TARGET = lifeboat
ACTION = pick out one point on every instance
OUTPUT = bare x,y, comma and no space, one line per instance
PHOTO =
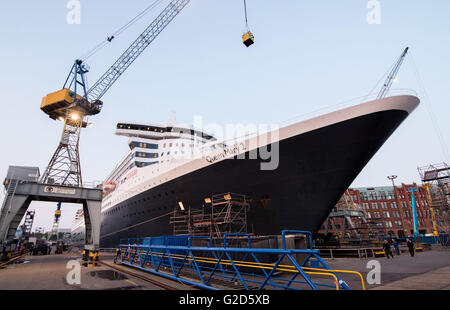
109,187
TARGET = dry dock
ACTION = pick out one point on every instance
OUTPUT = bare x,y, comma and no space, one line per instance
50,272
429,270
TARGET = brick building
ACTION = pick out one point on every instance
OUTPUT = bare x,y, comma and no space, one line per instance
387,211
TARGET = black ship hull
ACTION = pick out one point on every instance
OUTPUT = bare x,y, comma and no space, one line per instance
315,168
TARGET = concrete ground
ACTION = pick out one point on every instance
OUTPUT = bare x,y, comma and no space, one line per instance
50,272
429,270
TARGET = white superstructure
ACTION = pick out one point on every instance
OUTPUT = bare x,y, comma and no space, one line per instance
156,148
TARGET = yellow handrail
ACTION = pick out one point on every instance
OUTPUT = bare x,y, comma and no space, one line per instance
286,268
340,271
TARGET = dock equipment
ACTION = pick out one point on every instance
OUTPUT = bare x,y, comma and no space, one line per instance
74,102
392,76
23,186
28,223
54,231
209,267
221,214
412,190
247,38
436,178
351,219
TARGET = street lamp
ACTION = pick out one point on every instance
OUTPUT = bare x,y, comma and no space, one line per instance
392,178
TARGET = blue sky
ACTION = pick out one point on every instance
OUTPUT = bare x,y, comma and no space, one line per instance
308,55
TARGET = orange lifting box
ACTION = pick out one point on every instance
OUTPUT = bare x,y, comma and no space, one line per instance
248,38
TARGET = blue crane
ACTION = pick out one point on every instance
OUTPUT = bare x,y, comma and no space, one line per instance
75,101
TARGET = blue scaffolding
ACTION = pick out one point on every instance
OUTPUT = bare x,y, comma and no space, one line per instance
246,268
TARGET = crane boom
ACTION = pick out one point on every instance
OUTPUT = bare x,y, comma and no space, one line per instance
136,48
392,75
72,106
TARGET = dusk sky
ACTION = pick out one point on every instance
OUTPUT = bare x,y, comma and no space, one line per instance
308,55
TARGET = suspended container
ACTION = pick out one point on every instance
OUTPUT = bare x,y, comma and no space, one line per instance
247,38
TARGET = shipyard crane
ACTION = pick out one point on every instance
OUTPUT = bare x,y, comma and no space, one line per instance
392,75
74,102
55,227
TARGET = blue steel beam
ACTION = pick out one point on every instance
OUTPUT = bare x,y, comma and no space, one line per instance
412,190
206,267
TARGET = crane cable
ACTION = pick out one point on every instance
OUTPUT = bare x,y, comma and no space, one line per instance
102,44
431,113
246,18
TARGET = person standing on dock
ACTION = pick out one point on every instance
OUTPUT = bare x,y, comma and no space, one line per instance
396,247
410,247
387,249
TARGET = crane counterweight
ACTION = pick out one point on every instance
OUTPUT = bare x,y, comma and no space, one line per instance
64,103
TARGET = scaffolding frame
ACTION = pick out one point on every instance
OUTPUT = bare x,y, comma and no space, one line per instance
28,223
347,211
436,178
221,214
64,167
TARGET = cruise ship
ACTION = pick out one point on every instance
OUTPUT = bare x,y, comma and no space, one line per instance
170,167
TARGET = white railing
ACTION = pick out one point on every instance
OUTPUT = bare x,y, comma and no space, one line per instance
346,104
312,114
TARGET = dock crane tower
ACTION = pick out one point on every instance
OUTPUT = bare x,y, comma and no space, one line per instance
74,102
55,227
392,75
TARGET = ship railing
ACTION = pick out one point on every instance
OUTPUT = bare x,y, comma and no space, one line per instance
347,104
230,141
248,268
